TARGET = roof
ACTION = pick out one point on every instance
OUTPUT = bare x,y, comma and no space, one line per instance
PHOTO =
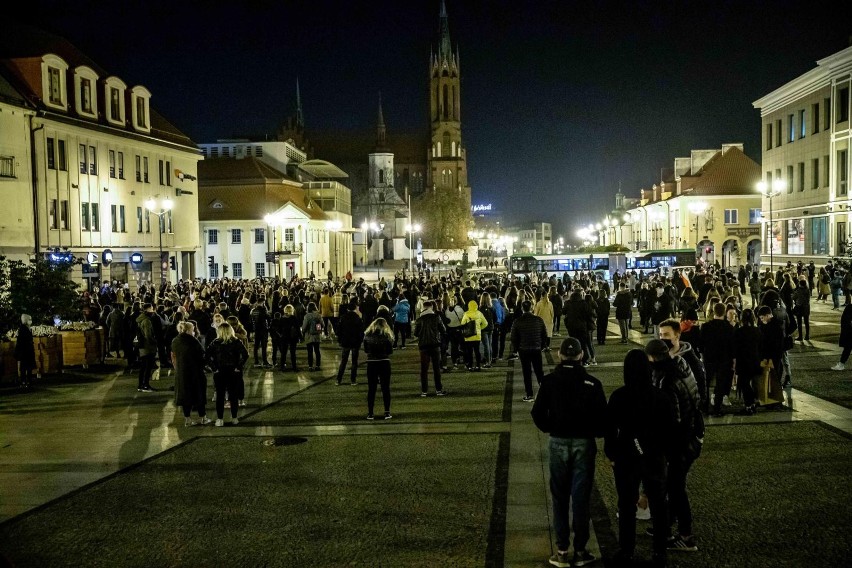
21,41
322,169
729,172
219,171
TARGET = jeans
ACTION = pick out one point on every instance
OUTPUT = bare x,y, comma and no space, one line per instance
401,329
344,357
231,382
430,355
835,298
804,318
146,369
187,409
623,326
471,349
485,347
723,375
498,341
651,472
313,349
678,499
260,341
288,345
378,372
572,475
530,360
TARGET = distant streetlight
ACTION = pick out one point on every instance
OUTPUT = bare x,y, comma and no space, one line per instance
778,186
160,209
697,208
334,226
411,229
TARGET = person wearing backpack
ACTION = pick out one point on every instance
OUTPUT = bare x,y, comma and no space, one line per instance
472,324
488,311
227,356
312,334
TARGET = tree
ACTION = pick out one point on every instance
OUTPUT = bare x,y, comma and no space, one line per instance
44,290
446,218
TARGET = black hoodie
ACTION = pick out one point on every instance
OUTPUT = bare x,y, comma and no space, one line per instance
640,421
570,404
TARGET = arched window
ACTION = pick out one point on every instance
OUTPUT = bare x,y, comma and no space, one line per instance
439,149
453,152
446,102
455,105
447,145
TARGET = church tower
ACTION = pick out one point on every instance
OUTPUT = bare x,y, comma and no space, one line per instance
446,173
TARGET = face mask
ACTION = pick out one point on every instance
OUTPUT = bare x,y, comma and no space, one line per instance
669,343
660,292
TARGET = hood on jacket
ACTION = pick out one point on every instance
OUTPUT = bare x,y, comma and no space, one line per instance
637,370
472,306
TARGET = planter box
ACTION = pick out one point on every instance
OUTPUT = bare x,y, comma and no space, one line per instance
48,351
82,347
8,363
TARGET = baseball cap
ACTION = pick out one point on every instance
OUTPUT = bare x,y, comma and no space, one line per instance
570,348
657,348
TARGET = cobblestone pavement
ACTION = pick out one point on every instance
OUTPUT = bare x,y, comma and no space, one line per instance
763,482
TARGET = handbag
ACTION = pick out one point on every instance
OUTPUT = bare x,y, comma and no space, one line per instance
469,329
788,342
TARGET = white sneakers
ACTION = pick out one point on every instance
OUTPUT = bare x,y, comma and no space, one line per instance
220,422
839,367
235,421
725,401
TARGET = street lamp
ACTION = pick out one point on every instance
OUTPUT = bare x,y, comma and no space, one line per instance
697,208
411,229
165,206
365,259
378,228
778,186
334,226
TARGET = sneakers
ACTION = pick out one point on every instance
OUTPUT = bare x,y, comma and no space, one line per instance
424,394
388,416
235,421
839,367
220,422
204,421
725,401
353,383
188,422
582,558
560,559
242,402
370,417
682,544
528,399
643,514
148,389
441,393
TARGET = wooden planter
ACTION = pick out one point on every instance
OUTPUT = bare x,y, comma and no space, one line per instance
8,363
48,351
82,347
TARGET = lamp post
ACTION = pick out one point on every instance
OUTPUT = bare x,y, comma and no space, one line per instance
334,227
697,208
411,229
365,259
378,228
270,241
165,206
778,186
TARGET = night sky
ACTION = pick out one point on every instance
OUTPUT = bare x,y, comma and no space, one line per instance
561,100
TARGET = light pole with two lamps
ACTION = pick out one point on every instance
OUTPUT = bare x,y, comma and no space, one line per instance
777,187
411,229
165,205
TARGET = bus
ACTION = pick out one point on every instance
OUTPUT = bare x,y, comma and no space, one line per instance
663,260
559,264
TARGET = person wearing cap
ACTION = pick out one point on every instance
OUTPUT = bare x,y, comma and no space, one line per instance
528,337
571,407
674,377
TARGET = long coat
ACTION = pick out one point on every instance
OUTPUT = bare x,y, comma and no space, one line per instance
190,380
846,327
24,348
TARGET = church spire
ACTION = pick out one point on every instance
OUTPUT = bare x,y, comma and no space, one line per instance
381,132
445,50
300,121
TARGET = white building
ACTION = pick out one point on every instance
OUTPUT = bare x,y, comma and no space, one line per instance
806,145
93,151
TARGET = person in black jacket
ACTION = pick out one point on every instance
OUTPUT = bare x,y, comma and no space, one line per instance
639,421
378,344
673,337
623,304
719,353
227,356
578,315
260,322
571,407
748,339
350,333
602,314
429,329
25,351
528,337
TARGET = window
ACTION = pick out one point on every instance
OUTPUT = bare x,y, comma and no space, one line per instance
141,114
754,216
63,214
819,235
825,171
842,172
114,217
843,105
121,165
214,270
112,163
138,168
7,166
815,173
86,95
289,238
789,179
731,216
168,173
147,221
826,114
796,236
778,133
802,126
769,136
259,270
83,167
145,169
237,270
138,219
259,236
258,152
213,237
160,165
801,176
841,238
63,162
54,79
52,214
122,219
236,236
815,118
51,154
214,152
93,162
381,176
84,217
96,217
226,152
169,228
114,103
446,149
161,223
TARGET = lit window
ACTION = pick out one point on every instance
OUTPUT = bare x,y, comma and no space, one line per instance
86,95
731,216
54,77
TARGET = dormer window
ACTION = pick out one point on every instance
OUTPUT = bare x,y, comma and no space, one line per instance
114,89
85,80
140,97
54,89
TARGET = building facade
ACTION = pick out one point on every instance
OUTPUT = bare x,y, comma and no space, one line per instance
101,163
806,144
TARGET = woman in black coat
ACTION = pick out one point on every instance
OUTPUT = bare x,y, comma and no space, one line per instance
187,357
25,351
748,338
602,316
227,356
845,337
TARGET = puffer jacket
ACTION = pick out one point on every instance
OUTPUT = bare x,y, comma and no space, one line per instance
675,378
429,329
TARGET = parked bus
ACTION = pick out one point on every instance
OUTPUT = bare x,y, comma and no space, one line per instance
559,264
664,260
